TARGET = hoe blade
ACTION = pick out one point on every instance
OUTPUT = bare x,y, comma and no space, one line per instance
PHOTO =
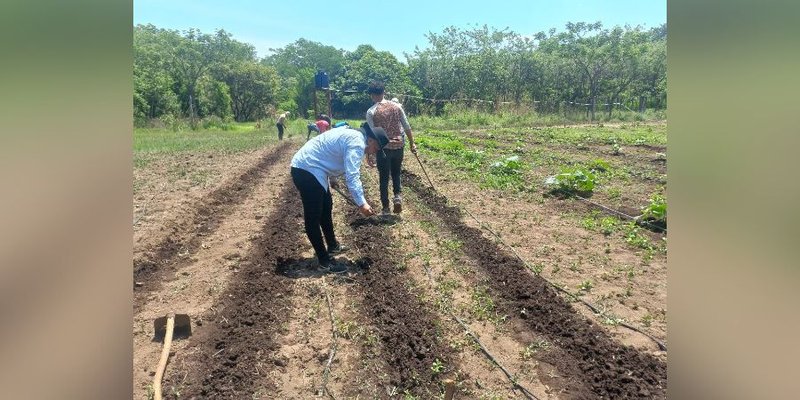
183,327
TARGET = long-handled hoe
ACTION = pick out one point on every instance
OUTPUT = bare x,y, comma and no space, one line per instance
177,325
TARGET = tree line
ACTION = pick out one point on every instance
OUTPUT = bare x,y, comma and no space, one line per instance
191,74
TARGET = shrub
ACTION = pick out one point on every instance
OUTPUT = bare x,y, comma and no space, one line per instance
215,122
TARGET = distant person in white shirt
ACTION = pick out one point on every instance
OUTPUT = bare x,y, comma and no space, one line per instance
281,124
324,157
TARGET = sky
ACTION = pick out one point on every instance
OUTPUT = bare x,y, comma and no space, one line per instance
395,26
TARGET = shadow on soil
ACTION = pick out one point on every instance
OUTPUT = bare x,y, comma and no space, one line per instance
309,267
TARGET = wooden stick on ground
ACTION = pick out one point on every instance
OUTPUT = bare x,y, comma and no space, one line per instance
162,364
449,389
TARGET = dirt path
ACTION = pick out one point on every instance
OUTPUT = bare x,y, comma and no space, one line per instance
193,284
408,330
158,259
237,344
596,365
266,322
435,260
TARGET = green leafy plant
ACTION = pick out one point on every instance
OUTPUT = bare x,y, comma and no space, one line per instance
634,238
598,165
437,367
608,225
572,180
655,213
508,166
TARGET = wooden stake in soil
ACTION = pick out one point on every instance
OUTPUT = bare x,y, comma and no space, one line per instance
449,389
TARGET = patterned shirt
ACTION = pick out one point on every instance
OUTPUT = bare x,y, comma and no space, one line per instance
391,117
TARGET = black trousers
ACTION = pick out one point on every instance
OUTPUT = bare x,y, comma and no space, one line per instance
280,131
317,209
389,163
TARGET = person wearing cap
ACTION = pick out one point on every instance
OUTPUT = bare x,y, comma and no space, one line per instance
338,152
391,117
281,124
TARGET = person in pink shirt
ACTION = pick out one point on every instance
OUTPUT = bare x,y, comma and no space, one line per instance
323,123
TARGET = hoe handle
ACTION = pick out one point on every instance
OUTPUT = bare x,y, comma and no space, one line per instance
449,389
162,364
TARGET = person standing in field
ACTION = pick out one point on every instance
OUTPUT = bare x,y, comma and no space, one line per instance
391,117
338,152
281,124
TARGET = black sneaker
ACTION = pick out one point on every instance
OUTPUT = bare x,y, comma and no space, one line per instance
338,249
398,204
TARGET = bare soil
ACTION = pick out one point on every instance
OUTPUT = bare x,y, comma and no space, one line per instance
267,324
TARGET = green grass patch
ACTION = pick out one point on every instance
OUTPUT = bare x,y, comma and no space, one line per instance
241,138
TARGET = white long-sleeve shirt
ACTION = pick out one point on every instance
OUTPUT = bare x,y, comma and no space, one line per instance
339,151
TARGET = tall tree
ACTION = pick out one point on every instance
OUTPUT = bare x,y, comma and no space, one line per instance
252,87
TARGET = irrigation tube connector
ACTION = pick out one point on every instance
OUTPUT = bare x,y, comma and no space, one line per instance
594,309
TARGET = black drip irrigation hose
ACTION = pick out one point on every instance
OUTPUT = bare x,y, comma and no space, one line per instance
594,309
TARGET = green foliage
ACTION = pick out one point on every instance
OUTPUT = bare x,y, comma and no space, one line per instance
214,98
572,180
635,238
598,165
437,367
508,166
216,123
656,211
608,225
481,72
252,87
236,138
505,173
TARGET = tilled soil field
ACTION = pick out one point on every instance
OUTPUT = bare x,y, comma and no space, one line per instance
267,325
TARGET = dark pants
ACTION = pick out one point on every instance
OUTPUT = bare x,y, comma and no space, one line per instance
389,163
317,207
280,131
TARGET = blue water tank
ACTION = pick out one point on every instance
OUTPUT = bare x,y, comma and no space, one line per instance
321,80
